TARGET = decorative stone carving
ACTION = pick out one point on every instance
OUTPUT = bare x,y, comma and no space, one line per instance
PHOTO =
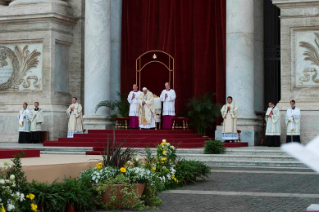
19,68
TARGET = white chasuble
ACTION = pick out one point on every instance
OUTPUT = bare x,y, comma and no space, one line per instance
133,100
24,120
36,118
146,111
229,114
74,113
168,102
292,121
272,122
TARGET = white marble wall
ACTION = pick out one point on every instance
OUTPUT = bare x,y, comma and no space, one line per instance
97,54
299,20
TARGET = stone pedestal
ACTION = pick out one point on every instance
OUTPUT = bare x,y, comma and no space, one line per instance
299,80
43,32
240,81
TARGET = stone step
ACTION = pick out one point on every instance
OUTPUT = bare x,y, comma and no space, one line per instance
254,152
206,157
247,163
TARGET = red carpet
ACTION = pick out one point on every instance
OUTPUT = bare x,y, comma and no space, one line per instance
9,153
138,138
135,138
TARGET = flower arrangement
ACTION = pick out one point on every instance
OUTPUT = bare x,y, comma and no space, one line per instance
12,189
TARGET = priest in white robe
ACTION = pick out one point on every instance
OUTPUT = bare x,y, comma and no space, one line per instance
292,121
229,114
36,118
74,113
24,124
272,126
133,100
146,110
168,97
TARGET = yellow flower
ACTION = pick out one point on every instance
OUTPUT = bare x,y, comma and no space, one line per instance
123,169
2,209
167,170
164,152
99,166
34,207
154,169
30,196
164,159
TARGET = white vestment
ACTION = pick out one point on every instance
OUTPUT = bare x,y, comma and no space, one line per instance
272,122
36,118
292,121
133,102
75,125
146,111
229,114
168,102
24,120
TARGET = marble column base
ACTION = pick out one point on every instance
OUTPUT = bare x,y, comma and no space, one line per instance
250,131
24,2
97,122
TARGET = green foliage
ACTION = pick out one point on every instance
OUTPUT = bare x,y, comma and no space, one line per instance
214,147
118,108
190,170
202,113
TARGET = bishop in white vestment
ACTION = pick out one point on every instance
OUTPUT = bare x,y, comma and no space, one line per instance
146,110
272,126
36,118
168,97
133,100
74,113
229,114
292,121
24,124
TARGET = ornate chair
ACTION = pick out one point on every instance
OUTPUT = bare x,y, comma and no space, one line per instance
178,120
121,122
158,111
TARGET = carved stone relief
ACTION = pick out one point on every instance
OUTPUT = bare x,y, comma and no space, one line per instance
20,67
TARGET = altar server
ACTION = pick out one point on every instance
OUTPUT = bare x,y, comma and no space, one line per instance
133,100
229,114
36,118
168,97
24,124
146,110
293,123
74,113
272,126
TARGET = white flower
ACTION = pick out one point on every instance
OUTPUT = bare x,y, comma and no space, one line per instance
2,181
10,207
12,177
164,140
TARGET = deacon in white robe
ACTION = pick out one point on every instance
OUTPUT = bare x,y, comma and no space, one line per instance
229,114
36,118
133,100
168,97
272,126
293,123
24,124
74,113
146,110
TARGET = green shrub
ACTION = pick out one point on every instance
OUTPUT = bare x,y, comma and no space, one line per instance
190,170
214,147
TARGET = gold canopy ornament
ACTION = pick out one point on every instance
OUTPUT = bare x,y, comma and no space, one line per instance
154,56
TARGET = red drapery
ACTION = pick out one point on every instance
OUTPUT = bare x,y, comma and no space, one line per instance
192,31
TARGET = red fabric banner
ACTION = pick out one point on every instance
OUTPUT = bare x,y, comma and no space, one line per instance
192,31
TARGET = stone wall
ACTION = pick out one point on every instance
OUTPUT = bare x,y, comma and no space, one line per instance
299,80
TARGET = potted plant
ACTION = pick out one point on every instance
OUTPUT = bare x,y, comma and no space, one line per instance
202,113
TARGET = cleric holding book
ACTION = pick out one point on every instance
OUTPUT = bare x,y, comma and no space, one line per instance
272,126
229,114
293,123
168,97
133,100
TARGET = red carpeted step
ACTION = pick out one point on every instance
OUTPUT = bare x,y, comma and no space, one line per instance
28,153
138,132
141,139
123,136
237,144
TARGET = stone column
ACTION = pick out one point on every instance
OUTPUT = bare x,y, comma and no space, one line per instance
240,55
97,61
240,76
116,24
